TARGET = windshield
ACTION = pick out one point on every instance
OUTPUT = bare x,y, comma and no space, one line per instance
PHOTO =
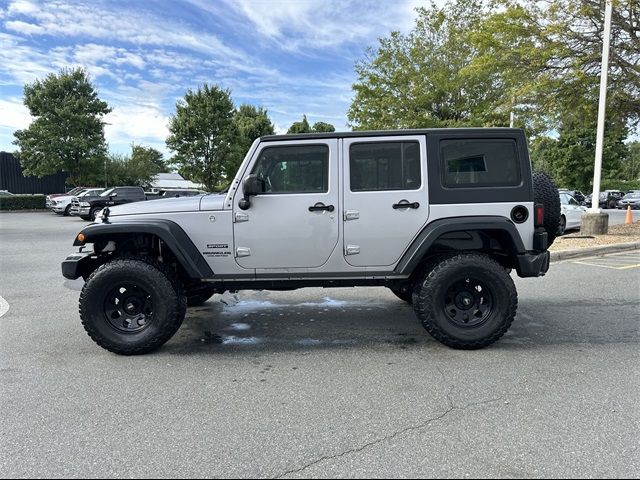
107,193
629,196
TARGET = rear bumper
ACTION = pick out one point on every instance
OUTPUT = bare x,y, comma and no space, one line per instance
533,264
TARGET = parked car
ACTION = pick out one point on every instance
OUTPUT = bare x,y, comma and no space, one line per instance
608,199
89,207
72,192
630,200
62,205
577,194
5,193
74,210
570,213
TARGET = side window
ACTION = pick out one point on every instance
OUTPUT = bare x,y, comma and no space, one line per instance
564,199
294,169
573,201
479,163
384,166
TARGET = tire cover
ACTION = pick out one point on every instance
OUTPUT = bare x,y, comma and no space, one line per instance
546,193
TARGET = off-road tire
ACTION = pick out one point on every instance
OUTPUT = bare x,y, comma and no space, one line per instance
430,298
168,299
546,193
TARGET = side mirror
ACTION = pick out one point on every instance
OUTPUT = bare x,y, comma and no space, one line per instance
251,186
113,195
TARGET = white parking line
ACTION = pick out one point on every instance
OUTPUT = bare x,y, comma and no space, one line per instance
4,306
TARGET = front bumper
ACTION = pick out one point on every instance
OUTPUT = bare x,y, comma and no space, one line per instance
76,265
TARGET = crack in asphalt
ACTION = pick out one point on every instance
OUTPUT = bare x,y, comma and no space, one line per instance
452,407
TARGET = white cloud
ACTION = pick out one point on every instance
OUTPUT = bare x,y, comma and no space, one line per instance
13,114
22,7
19,26
135,123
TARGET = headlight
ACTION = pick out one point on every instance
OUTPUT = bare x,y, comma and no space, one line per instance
84,204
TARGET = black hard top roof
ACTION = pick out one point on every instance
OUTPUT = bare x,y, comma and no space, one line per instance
391,133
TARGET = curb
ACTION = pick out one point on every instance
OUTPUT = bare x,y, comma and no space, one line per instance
593,251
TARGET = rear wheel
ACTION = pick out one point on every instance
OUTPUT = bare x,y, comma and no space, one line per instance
466,301
131,306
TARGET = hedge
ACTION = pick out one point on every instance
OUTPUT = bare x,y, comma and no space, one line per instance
22,202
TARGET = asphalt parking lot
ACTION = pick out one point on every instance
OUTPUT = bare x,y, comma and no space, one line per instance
317,383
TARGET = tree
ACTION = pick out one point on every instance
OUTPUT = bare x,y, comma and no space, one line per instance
250,123
419,80
304,127
323,127
67,131
300,127
148,159
201,135
631,164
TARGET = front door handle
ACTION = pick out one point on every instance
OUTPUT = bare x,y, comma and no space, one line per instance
318,207
406,204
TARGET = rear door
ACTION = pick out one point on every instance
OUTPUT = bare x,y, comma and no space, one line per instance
385,197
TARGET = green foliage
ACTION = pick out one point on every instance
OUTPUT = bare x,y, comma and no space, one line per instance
22,202
621,185
304,127
300,127
250,123
323,127
421,80
136,169
569,159
67,132
631,165
202,135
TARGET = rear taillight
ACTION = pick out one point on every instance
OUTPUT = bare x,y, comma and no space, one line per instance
539,216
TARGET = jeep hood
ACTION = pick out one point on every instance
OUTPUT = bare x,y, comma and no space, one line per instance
169,205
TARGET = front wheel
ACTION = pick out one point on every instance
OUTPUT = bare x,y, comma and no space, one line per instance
94,213
131,306
466,301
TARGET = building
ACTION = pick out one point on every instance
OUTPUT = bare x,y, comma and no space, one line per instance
172,180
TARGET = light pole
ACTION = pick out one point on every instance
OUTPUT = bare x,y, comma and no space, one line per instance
594,222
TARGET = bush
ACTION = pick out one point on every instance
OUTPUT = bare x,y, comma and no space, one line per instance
22,202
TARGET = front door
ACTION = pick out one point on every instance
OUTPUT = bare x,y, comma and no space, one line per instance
385,197
295,223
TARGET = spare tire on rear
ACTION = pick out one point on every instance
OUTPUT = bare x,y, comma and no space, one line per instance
546,193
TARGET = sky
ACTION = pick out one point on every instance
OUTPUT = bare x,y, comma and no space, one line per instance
292,57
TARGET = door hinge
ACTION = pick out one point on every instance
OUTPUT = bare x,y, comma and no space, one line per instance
351,215
243,252
352,250
241,217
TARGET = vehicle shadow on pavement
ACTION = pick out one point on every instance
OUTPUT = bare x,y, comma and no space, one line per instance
267,321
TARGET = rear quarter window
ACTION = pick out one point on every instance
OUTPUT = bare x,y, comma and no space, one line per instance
476,162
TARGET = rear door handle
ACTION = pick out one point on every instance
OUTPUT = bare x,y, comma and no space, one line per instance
321,206
406,204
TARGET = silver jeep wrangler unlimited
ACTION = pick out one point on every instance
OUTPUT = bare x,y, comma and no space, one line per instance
439,216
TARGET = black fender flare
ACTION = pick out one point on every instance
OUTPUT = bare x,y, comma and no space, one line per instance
429,234
173,236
